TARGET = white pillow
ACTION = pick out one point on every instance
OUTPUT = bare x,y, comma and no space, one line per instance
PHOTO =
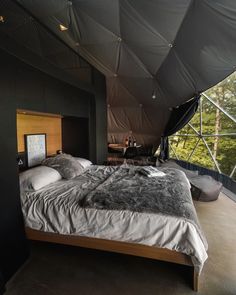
38,177
84,162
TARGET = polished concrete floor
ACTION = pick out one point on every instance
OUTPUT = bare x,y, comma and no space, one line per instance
62,270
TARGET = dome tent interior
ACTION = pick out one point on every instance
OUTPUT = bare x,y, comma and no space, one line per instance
108,70
155,57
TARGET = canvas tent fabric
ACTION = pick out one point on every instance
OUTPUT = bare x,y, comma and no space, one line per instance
162,49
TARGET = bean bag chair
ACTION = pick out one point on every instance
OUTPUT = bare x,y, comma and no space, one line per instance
205,188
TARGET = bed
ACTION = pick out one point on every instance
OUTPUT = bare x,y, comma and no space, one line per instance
119,209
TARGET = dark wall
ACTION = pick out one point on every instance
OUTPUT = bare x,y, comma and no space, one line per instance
14,248
75,136
24,87
99,84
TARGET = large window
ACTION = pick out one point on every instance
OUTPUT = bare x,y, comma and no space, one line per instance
209,139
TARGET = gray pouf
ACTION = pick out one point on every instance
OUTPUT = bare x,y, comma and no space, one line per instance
205,188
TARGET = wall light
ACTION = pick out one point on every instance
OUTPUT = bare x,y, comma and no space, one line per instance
2,20
63,28
154,95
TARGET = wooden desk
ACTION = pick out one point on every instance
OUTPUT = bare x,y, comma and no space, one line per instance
120,147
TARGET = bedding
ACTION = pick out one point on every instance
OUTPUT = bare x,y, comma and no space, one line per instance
65,164
67,207
150,171
125,189
37,178
84,162
173,164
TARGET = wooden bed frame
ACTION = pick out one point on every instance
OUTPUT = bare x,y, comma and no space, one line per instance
118,247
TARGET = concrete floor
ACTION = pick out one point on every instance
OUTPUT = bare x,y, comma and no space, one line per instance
63,270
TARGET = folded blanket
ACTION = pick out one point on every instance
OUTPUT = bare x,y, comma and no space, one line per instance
127,189
150,171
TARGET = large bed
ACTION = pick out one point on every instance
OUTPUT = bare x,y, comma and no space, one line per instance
120,209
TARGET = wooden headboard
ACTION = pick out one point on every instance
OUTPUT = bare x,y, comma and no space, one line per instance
33,123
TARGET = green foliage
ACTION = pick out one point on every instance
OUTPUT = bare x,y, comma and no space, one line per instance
213,122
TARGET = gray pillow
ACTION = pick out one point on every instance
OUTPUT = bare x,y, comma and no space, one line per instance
38,177
65,164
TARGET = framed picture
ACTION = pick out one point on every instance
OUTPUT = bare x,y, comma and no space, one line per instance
35,145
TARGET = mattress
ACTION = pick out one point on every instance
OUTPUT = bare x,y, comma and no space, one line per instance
57,208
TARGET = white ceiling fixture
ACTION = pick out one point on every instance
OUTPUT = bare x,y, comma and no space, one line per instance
154,95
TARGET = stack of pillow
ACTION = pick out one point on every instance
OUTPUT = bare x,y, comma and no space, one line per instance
52,169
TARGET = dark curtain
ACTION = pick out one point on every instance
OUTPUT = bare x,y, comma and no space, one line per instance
179,118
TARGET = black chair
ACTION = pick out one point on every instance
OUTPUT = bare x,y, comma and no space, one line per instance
146,151
130,152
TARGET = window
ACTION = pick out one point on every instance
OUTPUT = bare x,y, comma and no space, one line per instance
209,139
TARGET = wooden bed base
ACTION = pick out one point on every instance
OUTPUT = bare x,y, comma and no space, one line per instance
118,247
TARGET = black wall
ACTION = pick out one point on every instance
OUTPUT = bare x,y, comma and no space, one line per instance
22,86
99,84
75,136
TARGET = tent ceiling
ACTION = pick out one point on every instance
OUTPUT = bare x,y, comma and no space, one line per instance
174,49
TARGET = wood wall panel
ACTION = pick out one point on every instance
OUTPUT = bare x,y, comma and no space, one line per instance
31,124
